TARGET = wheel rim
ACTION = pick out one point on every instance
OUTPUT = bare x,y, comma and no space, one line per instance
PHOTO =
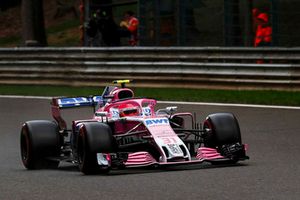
81,151
25,146
209,138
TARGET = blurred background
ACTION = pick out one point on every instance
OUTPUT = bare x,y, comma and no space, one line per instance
161,22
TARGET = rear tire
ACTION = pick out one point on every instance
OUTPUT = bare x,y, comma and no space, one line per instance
39,140
94,137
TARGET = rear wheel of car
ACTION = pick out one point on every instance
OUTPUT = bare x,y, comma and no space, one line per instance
223,128
94,137
39,141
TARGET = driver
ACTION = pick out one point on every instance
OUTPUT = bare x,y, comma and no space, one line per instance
129,109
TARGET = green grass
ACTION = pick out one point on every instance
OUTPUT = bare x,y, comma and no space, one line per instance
10,41
174,94
64,34
56,34
63,26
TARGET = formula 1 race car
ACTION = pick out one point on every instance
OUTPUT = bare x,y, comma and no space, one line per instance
126,131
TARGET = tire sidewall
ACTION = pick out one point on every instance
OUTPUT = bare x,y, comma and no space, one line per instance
224,129
39,139
93,138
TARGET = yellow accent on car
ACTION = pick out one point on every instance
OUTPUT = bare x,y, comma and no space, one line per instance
121,82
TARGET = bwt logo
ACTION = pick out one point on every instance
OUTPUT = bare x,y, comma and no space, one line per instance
160,121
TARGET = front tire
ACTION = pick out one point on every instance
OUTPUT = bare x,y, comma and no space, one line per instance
94,137
224,135
223,129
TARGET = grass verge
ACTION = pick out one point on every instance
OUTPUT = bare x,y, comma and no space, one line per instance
66,33
10,41
174,94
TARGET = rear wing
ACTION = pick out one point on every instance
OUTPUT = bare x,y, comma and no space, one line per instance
72,102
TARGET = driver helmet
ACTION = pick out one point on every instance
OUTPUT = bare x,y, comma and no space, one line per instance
129,110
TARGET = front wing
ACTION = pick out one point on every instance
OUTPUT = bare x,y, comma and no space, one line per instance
204,154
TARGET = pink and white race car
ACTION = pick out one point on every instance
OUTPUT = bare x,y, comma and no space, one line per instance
126,131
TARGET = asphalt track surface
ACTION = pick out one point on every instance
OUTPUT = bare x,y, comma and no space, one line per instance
273,171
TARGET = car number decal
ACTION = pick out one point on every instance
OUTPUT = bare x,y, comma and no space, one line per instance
175,149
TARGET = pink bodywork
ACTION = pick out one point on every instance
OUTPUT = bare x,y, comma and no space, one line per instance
162,133
205,153
140,158
144,158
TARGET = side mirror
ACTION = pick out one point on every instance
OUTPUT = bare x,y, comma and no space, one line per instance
101,114
168,110
171,109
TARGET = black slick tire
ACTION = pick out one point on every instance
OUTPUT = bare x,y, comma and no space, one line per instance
39,140
94,137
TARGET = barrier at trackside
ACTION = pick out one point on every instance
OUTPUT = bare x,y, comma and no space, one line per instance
184,67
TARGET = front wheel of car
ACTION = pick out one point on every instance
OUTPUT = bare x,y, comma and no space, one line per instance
223,134
221,129
94,138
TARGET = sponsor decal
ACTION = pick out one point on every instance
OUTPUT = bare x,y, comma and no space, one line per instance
78,101
169,140
97,98
146,111
74,101
156,121
115,113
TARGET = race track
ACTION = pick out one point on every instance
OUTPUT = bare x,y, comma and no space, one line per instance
272,172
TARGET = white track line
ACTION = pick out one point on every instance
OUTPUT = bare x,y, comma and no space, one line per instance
231,105
175,102
24,97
